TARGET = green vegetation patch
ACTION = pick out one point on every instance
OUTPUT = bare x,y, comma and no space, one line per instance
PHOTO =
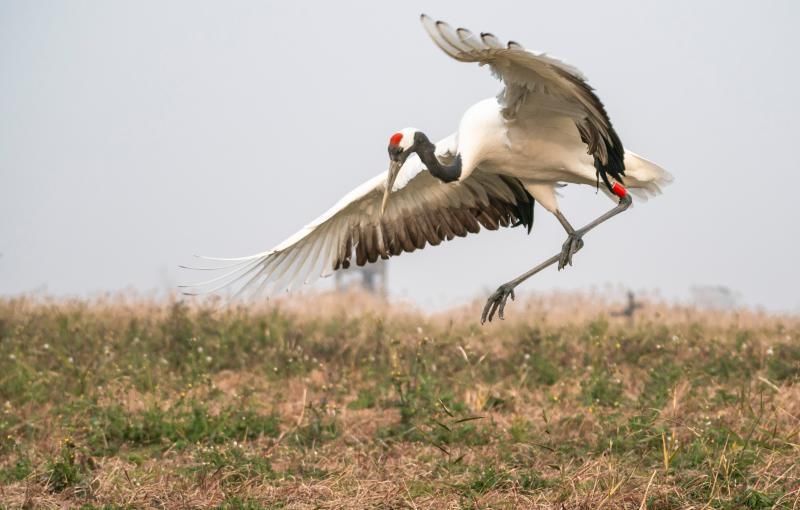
178,405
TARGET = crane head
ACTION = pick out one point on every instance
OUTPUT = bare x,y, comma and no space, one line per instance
401,145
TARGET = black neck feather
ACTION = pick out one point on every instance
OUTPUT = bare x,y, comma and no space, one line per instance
427,154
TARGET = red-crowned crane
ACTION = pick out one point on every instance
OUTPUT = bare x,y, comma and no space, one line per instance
545,128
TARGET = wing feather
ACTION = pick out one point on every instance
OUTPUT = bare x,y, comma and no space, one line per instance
329,255
468,39
554,85
422,211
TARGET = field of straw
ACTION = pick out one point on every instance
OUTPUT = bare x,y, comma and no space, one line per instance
339,401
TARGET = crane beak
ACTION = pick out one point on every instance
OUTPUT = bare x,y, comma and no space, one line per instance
394,169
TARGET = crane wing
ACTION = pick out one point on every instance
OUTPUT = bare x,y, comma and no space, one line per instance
422,210
537,79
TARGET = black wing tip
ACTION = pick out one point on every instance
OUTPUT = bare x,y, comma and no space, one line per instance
529,213
524,203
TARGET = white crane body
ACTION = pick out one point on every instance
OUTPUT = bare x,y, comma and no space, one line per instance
542,148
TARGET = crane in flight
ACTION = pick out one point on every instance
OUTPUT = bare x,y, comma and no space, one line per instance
545,128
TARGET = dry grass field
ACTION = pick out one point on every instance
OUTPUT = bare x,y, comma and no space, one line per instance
335,401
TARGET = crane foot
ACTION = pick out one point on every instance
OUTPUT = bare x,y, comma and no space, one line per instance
497,303
571,246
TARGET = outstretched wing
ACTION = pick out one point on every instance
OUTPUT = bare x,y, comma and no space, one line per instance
535,78
421,210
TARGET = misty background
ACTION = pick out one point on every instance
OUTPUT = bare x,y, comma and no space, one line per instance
135,134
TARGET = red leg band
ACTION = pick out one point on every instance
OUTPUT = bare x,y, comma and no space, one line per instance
619,190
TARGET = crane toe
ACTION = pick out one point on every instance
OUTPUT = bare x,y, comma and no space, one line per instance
571,246
497,303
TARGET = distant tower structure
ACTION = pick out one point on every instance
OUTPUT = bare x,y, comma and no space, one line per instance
630,309
371,278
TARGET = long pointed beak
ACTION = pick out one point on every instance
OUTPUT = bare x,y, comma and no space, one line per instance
394,169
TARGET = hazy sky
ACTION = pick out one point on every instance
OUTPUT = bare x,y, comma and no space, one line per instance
135,134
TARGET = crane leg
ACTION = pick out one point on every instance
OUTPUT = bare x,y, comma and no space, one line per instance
573,243
574,240
497,301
